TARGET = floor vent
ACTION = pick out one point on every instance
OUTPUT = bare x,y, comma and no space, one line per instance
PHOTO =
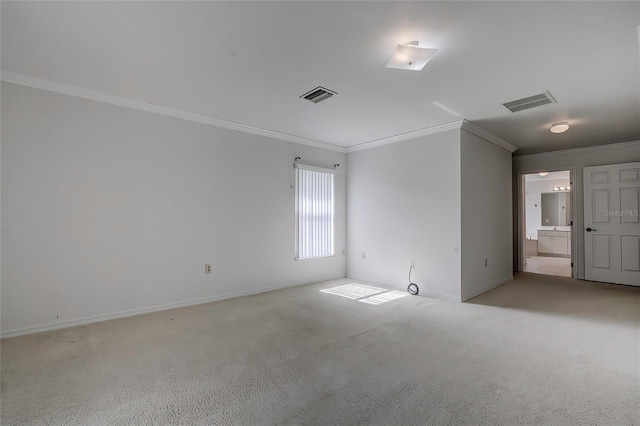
318,94
530,102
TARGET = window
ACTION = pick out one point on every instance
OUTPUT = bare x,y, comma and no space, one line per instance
314,212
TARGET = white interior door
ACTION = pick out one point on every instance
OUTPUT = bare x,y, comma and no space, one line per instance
612,225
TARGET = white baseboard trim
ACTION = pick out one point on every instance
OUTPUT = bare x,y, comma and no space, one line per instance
478,293
422,292
140,311
447,297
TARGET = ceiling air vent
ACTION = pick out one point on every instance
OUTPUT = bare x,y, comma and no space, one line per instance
530,102
318,94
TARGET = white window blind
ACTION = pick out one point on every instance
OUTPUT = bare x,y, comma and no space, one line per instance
314,211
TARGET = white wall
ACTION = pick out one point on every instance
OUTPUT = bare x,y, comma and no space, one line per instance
572,159
404,206
533,197
486,215
108,210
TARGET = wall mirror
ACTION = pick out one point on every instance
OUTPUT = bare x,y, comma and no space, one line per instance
555,209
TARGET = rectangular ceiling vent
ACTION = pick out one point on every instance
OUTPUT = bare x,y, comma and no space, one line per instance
318,94
530,102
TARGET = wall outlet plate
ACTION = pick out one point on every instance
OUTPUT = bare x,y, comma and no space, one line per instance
207,268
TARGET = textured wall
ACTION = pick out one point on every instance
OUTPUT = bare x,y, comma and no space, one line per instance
108,210
486,215
404,206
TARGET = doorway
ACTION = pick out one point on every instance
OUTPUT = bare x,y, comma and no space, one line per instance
547,222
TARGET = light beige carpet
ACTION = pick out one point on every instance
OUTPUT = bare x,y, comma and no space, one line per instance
539,350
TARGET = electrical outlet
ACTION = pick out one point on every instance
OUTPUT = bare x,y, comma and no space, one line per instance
364,255
413,265
486,262
207,268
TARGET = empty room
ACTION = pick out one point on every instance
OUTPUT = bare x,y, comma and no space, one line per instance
320,213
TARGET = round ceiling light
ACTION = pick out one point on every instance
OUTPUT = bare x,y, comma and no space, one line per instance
543,173
559,127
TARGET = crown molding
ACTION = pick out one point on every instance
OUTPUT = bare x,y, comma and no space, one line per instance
487,135
578,150
405,136
78,92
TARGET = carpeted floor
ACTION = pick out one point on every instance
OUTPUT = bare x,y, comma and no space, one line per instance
539,350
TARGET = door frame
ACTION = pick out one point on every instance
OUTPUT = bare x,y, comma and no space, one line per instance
521,230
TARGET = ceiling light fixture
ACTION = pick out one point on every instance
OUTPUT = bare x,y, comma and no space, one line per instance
409,56
543,173
561,127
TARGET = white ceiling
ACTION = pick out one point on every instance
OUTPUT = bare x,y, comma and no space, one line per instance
565,175
248,63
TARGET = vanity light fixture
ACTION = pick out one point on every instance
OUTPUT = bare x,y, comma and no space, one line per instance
561,188
560,127
409,56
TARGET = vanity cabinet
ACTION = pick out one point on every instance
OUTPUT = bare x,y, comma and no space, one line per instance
554,242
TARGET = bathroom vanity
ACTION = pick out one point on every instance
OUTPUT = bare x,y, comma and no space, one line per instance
554,242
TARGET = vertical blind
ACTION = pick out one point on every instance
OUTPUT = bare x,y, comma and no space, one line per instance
314,211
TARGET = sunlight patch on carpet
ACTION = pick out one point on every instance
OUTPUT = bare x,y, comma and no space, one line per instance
365,293
379,299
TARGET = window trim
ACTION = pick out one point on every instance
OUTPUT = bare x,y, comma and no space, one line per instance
298,166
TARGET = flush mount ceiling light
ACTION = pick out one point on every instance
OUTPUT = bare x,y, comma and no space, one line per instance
543,173
561,127
409,56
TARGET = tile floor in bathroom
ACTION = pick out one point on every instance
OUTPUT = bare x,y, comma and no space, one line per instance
560,266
